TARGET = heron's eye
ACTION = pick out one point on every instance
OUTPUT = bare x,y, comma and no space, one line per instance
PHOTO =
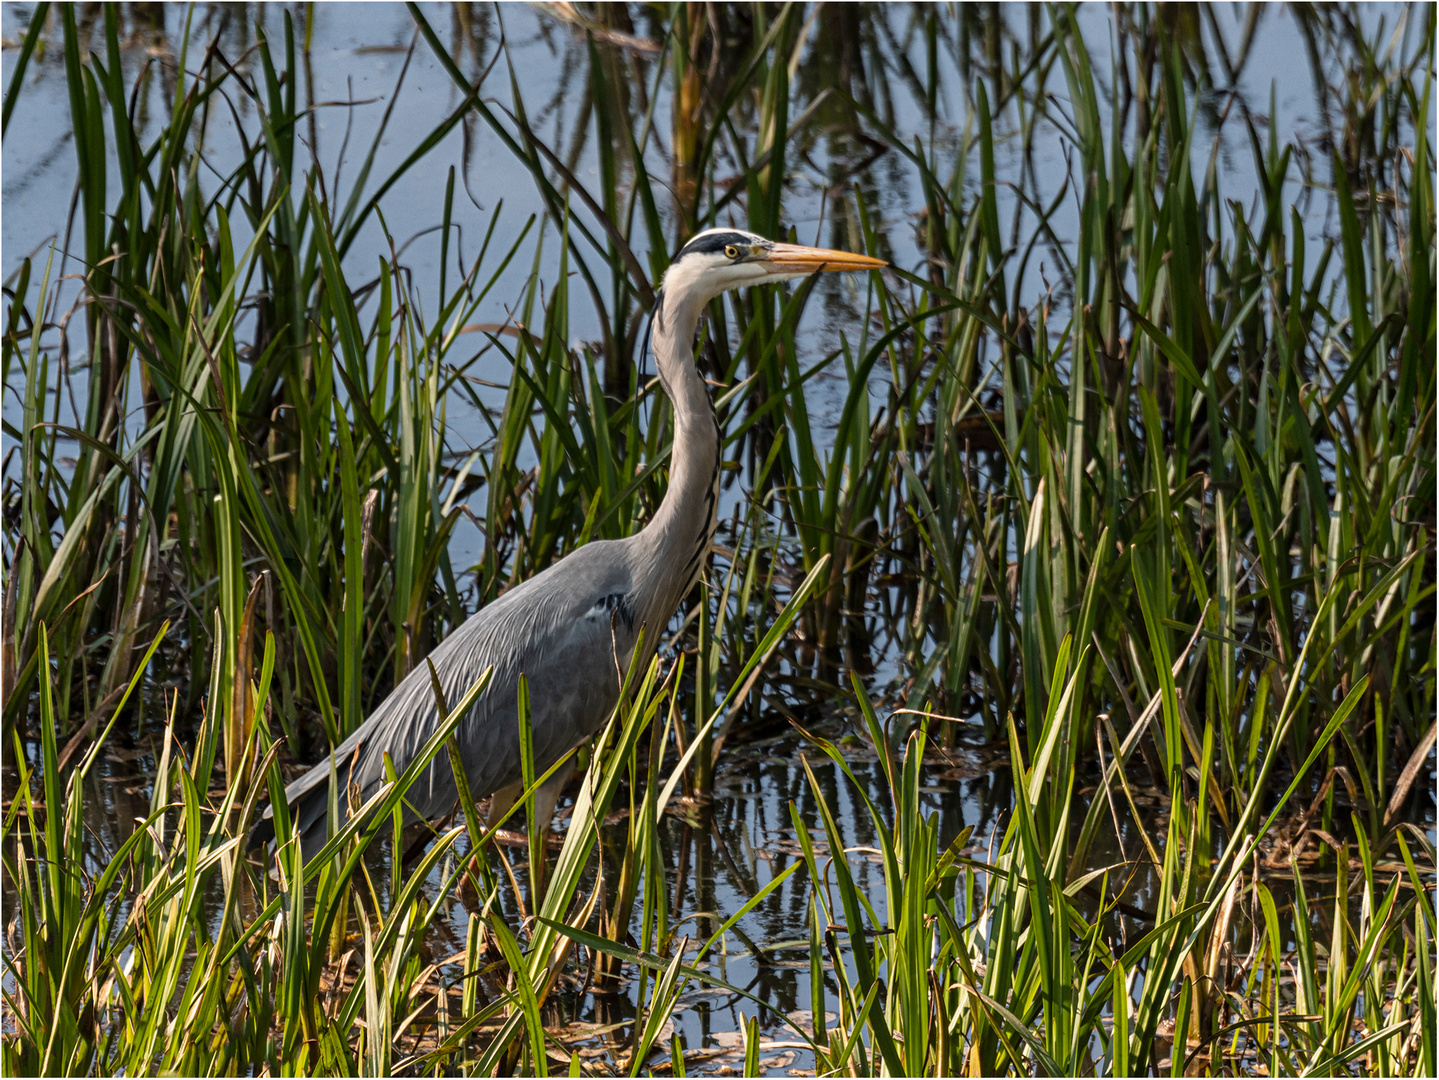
731,252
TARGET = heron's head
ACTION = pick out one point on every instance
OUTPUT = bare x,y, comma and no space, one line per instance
720,259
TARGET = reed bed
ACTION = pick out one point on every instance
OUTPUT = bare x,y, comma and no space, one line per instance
1157,521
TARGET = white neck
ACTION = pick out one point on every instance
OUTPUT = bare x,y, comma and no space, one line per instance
676,541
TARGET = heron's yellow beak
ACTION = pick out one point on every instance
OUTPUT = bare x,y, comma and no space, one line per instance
794,259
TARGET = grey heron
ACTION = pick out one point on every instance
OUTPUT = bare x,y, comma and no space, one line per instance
571,629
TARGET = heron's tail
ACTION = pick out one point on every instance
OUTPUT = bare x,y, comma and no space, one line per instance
309,801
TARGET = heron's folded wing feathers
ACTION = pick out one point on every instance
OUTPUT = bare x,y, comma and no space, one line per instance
569,633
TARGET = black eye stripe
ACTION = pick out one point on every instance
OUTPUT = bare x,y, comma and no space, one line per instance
715,243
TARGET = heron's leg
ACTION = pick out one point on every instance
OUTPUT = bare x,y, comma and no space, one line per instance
501,802
542,824
548,796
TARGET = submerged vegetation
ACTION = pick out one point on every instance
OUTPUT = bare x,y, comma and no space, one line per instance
1132,466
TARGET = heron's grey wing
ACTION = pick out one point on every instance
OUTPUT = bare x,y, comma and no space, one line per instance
570,630
574,660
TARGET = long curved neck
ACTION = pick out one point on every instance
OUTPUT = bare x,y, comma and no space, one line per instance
677,539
